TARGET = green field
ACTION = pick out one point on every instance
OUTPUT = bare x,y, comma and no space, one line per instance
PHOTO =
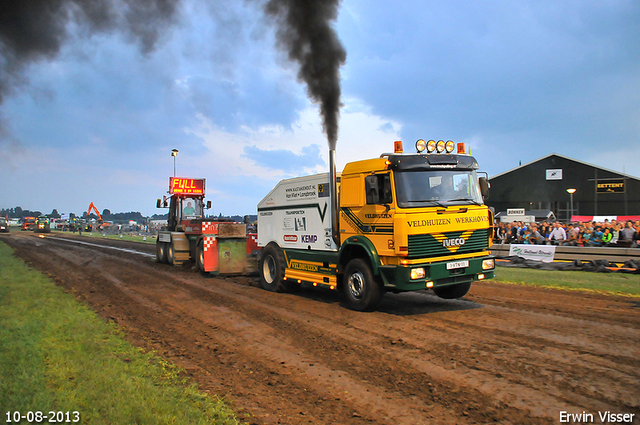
56,355
612,283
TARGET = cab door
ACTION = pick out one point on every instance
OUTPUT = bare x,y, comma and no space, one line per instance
366,208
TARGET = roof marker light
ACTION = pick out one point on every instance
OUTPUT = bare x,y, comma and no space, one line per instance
421,145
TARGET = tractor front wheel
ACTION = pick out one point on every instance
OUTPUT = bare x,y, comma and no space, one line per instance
161,252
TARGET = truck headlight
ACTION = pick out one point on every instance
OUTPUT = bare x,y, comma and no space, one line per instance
417,273
488,264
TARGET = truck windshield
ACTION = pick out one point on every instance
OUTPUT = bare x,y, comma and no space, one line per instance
437,187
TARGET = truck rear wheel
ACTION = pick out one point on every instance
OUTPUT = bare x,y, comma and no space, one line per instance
161,252
271,267
362,291
453,291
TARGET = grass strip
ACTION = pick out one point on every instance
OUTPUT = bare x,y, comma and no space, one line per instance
625,284
120,237
58,355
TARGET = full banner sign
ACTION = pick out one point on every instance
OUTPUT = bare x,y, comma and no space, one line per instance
543,253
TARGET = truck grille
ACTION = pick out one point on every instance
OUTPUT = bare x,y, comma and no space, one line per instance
426,246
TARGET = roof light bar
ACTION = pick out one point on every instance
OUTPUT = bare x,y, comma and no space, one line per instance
436,147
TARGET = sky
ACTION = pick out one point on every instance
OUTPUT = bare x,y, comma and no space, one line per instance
515,81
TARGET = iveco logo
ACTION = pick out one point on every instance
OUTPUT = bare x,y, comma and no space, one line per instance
452,242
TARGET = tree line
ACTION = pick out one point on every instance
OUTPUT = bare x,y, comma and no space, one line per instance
107,215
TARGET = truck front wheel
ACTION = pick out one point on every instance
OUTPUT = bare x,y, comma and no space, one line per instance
271,267
452,291
362,291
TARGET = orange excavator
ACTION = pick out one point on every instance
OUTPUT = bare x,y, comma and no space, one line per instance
101,222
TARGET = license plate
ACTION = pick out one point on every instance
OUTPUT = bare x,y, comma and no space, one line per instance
458,264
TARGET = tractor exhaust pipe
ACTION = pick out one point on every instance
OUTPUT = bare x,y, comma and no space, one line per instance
333,187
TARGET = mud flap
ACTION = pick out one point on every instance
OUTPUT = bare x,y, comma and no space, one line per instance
181,252
210,247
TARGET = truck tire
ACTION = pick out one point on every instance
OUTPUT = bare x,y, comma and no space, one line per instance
453,291
271,267
161,252
200,256
362,291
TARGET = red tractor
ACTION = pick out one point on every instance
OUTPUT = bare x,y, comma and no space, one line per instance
217,247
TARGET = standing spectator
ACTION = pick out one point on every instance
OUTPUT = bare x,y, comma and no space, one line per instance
557,235
606,237
521,229
626,234
536,237
500,233
572,239
615,235
596,237
512,237
636,237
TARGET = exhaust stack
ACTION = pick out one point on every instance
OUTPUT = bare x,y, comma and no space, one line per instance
333,187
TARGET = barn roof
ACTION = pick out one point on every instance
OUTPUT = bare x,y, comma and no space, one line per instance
568,159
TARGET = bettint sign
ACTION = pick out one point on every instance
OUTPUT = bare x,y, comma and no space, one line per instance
610,186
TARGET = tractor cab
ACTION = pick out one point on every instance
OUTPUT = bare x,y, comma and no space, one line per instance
186,203
184,210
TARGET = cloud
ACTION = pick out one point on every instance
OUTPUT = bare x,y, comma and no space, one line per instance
244,166
523,77
284,160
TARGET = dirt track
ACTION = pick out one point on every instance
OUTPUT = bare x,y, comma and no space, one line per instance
503,354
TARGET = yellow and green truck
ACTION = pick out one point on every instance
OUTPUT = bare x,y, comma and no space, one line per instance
400,222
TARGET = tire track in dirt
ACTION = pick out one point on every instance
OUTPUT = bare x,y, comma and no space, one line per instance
505,354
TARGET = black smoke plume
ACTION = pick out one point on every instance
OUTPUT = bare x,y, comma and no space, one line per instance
305,33
33,30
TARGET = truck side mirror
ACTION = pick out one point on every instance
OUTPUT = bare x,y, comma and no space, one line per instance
159,203
208,205
484,187
371,188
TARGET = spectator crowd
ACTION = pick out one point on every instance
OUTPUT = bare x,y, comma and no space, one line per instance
590,233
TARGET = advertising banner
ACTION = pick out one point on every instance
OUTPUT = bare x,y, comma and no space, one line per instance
534,252
610,186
